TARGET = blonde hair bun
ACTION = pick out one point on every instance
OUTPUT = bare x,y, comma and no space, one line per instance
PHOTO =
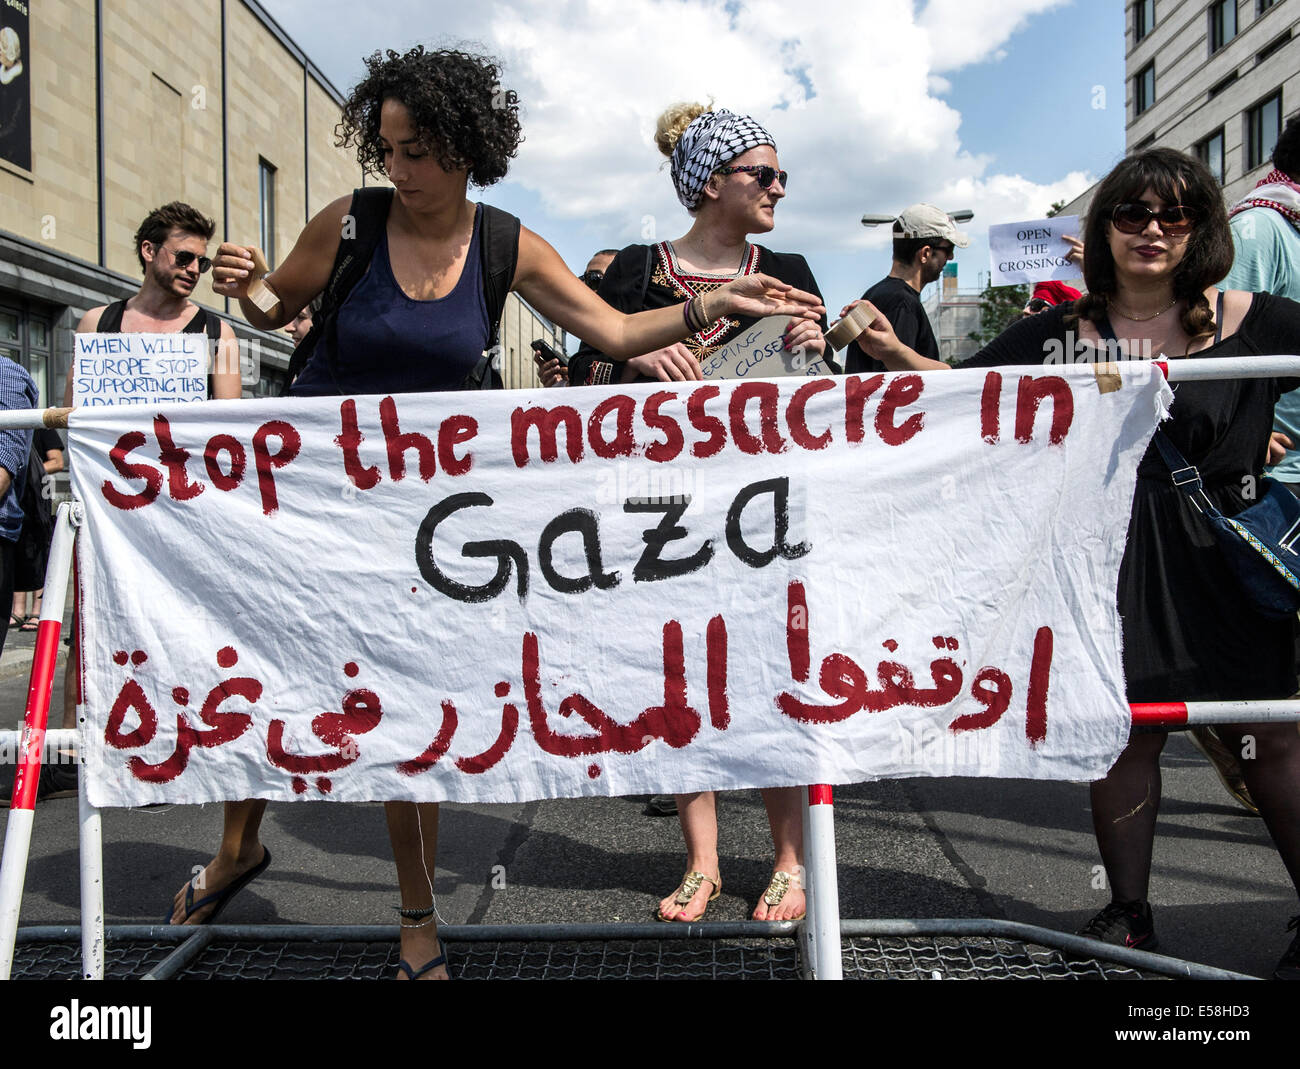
673,123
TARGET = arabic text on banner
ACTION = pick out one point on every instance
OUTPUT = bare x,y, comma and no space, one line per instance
500,596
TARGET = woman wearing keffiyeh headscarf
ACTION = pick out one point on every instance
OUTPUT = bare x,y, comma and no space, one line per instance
726,174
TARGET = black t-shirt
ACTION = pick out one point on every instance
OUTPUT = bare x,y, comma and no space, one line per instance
901,305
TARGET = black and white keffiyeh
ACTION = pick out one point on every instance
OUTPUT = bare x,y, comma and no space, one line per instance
711,141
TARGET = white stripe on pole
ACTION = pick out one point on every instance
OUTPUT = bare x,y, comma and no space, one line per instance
92,882
823,875
1242,712
1231,367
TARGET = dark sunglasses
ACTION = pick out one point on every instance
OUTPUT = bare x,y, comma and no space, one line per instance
764,175
592,279
1134,218
184,258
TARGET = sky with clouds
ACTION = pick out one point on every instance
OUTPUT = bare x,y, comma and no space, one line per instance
874,104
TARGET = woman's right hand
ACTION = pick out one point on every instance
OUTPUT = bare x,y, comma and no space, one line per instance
673,363
232,270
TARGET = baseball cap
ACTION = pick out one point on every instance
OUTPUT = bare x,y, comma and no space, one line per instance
927,221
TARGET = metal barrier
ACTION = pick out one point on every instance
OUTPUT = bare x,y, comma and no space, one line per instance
819,936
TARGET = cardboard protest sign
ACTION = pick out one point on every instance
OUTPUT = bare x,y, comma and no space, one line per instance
139,369
1032,251
760,353
665,587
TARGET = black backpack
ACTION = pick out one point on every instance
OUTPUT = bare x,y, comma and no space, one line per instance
498,256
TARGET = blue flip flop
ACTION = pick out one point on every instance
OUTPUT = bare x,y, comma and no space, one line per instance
224,895
415,974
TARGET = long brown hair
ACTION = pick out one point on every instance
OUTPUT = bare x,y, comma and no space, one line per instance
1175,178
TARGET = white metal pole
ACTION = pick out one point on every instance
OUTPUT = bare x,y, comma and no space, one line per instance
819,862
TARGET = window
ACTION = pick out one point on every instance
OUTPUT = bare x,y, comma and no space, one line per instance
1264,5
266,194
1144,17
1276,45
1219,87
25,335
1210,153
1223,23
1144,88
1263,124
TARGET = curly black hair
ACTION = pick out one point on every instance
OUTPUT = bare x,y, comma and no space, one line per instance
456,103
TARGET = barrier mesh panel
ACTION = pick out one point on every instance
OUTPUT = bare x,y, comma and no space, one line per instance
972,958
866,958
62,960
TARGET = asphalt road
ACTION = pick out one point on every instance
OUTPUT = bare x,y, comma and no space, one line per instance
1018,850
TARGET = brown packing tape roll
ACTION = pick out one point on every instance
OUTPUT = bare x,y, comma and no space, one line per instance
55,417
258,291
847,329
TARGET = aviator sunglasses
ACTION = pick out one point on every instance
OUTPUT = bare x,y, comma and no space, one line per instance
764,175
184,258
1175,220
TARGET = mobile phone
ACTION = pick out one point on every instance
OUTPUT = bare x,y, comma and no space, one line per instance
543,352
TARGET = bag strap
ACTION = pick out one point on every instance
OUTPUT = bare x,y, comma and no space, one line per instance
498,249
365,222
110,319
1185,476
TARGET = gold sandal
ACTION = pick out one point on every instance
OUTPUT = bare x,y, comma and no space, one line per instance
689,886
779,887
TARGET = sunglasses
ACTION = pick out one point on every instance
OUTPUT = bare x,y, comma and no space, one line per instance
592,279
1134,218
764,175
184,258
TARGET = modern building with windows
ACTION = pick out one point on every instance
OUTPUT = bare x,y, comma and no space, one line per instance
1217,79
109,108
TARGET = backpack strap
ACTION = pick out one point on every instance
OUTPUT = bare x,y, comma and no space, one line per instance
498,247
110,319
364,228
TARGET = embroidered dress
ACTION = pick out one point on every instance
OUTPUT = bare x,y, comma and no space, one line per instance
650,276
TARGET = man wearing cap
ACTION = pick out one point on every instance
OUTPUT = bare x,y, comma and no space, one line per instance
925,239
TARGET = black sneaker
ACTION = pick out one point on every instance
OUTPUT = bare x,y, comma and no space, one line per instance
1289,967
661,805
57,781
1123,924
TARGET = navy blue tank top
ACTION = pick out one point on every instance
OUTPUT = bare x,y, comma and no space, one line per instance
390,343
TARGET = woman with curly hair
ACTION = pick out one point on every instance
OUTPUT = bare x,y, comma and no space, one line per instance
415,316
1156,242
726,173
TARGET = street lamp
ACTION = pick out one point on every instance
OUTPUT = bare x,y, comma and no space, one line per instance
965,215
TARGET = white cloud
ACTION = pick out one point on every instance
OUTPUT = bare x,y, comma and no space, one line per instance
848,89
962,32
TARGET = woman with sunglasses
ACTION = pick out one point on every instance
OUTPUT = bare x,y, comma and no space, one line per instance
1156,242
417,320
726,174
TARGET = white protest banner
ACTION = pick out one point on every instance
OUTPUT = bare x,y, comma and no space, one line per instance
139,369
760,353
498,596
1032,251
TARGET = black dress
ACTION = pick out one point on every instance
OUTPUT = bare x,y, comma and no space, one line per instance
1189,634
642,277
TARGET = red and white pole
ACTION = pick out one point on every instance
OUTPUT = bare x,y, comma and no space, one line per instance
821,880
18,832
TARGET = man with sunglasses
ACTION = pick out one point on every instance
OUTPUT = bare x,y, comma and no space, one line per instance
172,247
550,369
925,240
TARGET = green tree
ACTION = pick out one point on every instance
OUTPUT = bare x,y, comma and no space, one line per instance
1055,209
1000,306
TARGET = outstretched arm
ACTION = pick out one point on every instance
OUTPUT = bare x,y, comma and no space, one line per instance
544,281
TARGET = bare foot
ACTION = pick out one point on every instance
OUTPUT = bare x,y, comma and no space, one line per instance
672,910
219,874
420,946
789,905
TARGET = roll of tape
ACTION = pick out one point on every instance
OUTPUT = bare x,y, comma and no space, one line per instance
847,329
